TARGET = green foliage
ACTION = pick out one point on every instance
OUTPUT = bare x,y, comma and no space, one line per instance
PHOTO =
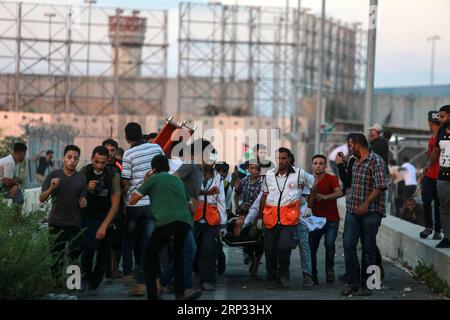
431,278
25,257
7,143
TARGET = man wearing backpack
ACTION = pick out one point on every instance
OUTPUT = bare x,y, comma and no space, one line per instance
103,197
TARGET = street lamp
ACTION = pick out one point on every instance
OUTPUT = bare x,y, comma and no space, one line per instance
50,16
433,40
370,67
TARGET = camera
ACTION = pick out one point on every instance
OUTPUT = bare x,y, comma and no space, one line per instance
99,186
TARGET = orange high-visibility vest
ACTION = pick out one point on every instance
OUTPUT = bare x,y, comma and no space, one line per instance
211,208
283,203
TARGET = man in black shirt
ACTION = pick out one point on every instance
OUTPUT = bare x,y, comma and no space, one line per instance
103,196
44,166
116,229
441,151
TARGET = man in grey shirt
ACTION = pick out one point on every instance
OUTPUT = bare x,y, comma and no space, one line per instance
67,188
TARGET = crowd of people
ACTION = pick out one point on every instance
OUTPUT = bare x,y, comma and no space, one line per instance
159,225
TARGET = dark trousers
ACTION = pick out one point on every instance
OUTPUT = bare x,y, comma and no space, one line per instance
139,226
429,195
159,238
206,257
278,244
329,231
366,227
64,237
91,246
408,193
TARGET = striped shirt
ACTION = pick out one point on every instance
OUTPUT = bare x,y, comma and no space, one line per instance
136,163
366,177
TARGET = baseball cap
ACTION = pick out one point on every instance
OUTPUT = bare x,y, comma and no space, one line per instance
433,116
377,127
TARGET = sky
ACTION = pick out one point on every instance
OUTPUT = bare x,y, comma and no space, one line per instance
403,56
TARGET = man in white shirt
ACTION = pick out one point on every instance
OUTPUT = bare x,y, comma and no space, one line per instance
9,174
139,222
409,175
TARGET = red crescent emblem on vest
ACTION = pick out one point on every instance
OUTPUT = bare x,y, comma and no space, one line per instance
291,185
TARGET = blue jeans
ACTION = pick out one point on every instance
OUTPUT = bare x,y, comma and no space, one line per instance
329,231
303,246
189,251
139,226
366,227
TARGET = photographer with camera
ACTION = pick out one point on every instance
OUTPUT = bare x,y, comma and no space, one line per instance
103,197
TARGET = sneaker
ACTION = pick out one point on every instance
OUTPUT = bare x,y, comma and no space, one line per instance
437,236
108,282
426,233
330,276
192,294
444,244
284,282
272,285
208,286
307,280
348,291
129,280
138,290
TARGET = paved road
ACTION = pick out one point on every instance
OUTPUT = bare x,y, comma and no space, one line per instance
236,284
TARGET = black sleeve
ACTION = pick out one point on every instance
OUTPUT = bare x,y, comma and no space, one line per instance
345,174
439,137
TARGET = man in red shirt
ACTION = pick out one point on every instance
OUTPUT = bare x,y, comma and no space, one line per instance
323,203
428,182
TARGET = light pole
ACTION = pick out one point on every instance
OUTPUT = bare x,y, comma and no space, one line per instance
370,73
320,81
433,40
50,16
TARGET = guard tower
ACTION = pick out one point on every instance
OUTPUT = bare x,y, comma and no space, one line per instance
127,35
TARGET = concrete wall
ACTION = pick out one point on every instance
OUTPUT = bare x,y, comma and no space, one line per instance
94,129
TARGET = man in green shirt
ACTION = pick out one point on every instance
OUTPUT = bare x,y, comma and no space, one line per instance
171,208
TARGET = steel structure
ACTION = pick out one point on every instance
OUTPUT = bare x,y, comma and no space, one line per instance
245,60
59,58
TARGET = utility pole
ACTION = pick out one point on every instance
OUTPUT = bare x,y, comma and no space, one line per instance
370,73
320,81
433,40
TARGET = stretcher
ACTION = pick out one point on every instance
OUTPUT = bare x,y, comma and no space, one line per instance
171,134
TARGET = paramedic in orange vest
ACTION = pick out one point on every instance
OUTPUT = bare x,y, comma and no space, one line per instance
280,207
210,220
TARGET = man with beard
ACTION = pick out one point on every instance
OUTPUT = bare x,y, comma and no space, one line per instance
442,152
365,208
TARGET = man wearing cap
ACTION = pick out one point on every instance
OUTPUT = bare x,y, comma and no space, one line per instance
377,144
429,184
